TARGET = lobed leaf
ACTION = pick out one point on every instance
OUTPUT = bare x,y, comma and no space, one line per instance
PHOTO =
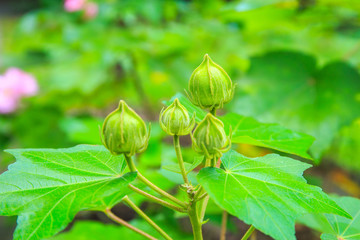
268,192
47,187
336,227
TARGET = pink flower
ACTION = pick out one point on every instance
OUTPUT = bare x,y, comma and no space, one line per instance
90,10
74,5
15,84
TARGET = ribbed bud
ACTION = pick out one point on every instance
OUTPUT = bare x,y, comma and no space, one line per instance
210,86
175,120
209,137
124,131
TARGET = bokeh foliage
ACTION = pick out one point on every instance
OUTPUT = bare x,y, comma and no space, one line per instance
295,63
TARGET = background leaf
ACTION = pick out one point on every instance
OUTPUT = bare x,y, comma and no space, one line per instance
90,230
268,192
336,227
47,187
288,87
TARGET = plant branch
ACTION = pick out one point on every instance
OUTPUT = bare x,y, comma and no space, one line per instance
196,223
223,225
248,233
157,200
204,202
132,168
202,196
127,200
115,218
180,158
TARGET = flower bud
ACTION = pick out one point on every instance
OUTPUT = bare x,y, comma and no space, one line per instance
124,131
210,86
209,137
175,120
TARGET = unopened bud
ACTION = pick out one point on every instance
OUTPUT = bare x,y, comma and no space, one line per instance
209,137
124,132
175,120
210,86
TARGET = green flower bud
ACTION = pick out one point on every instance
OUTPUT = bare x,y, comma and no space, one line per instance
209,137
210,86
124,131
175,120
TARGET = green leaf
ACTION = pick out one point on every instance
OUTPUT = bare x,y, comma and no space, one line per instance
335,227
316,101
268,192
90,230
47,187
249,131
346,150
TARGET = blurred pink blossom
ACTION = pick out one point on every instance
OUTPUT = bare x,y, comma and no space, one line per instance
74,5
15,84
90,10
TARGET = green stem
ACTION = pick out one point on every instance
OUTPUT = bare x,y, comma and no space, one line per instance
180,158
195,221
146,218
157,200
213,111
132,168
223,225
115,218
203,203
202,196
248,233
213,162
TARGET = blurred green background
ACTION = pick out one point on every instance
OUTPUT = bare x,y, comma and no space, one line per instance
295,62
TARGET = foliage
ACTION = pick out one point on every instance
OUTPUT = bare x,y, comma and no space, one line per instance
295,65
267,192
322,100
335,227
47,187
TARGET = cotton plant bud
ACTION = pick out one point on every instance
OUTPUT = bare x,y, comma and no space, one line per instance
209,137
124,132
175,120
210,86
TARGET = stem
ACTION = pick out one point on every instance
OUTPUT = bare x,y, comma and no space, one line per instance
180,158
146,218
223,225
132,168
203,206
204,202
248,233
202,196
213,162
195,221
213,111
157,200
115,218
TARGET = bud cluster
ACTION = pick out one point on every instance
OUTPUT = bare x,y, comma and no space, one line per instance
124,132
